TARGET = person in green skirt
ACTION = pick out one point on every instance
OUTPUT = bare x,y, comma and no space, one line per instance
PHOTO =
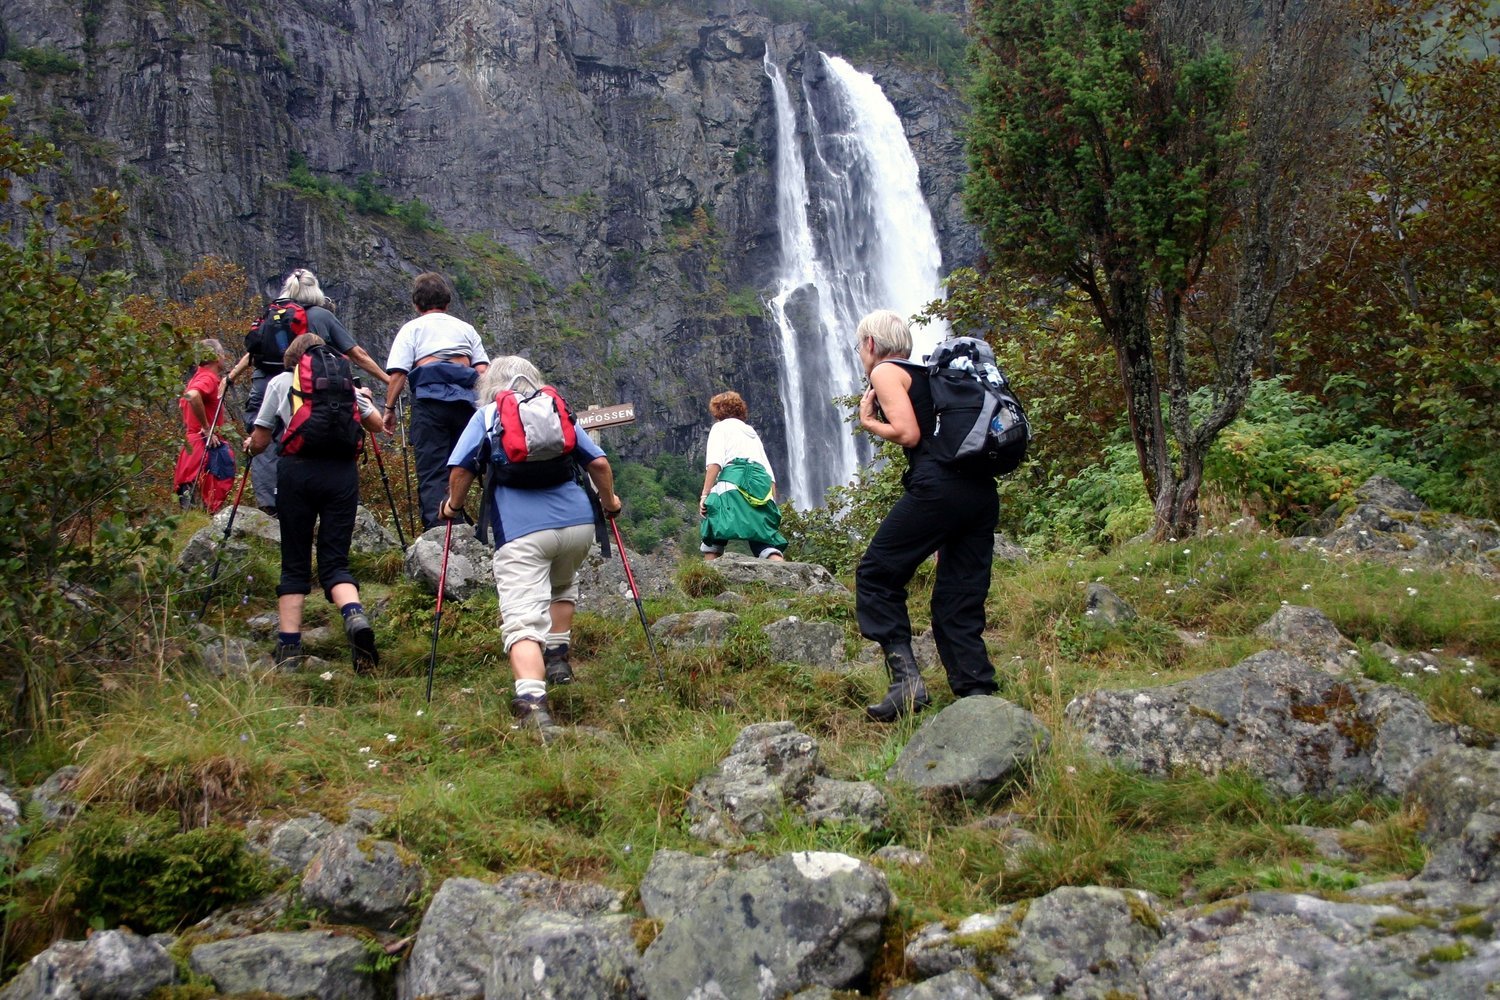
739,488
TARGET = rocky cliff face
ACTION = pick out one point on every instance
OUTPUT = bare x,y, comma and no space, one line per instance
593,176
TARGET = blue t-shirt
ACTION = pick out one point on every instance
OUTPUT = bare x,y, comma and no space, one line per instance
516,512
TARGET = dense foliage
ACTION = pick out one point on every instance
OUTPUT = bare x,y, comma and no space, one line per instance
1399,326
81,379
878,29
1157,157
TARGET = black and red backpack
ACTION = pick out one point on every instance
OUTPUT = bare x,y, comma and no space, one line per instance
282,322
325,414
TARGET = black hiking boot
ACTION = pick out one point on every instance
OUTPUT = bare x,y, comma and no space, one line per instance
288,659
907,693
556,666
533,712
362,643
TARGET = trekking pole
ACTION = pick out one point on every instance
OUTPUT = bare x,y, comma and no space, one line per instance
437,616
636,593
395,514
224,542
405,460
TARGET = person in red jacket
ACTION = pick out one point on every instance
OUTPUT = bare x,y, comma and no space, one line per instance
205,463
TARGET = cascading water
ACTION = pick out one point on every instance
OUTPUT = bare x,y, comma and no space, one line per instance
874,248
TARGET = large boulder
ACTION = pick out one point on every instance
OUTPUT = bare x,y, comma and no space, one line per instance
1458,791
799,920
972,748
1074,941
560,956
1290,945
772,770
1388,524
1274,715
110,965
470,562
1309,633
316,964
451,954
358,879
817,644
808,578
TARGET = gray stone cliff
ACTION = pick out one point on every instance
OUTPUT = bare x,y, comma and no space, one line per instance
595,177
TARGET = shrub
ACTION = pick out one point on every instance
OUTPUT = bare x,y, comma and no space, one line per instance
82,381
145,872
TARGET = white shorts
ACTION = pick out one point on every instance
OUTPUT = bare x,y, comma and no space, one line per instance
533,571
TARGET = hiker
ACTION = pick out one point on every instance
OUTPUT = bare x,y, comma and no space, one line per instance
265,363
205,462
739,488
542,535
942,510
318,489
442,358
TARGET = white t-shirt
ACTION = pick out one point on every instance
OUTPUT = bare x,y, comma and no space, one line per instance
434,333
732,438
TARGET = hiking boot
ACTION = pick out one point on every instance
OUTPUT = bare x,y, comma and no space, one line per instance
532,712
556,666
269,511
907,693
362,643
288,659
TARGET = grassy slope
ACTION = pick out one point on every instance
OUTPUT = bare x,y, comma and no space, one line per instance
473,797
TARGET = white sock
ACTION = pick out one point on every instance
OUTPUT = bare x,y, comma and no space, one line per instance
555,639
528,689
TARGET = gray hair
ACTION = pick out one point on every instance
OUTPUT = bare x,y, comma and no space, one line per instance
888,330
302,286
210,349
505,370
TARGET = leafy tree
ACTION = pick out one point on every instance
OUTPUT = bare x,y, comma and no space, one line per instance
1161,158
80,380
1399,325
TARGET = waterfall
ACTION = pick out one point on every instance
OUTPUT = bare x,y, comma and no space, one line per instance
872,246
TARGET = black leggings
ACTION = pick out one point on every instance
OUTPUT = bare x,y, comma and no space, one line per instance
316,497
435,428
955,518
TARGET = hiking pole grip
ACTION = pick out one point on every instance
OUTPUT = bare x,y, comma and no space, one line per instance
635,592
437,616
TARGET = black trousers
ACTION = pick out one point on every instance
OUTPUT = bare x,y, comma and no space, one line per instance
316,499
435,429
955,518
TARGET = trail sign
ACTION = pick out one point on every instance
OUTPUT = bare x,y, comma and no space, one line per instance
605,416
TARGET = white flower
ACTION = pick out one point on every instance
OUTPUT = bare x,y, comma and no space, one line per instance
1098,579
326,675
1071,769
1411,591
302,720
1171,591
371,764
1285,603
364,749
1430,669
465,690
450,786
1478,691
1307,586
1187,552
1407,673
1407,569
390,737
421,712
1136,579
1468,662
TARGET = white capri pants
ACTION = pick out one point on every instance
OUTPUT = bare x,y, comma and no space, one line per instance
533,571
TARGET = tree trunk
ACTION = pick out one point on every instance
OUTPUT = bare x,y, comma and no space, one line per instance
1177,501
1132,340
